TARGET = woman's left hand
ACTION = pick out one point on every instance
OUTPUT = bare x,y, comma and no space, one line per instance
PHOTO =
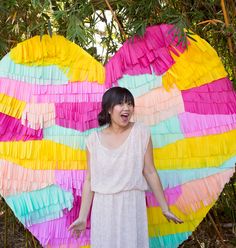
170,216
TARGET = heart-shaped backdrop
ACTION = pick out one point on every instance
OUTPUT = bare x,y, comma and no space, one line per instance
50,95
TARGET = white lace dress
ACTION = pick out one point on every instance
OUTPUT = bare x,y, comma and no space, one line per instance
119,217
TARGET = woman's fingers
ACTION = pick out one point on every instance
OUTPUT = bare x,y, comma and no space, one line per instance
169,216
71,226
76,233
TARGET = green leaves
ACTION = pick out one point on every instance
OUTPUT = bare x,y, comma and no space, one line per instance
90,24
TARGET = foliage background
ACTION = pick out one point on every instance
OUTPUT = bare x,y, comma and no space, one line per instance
78,21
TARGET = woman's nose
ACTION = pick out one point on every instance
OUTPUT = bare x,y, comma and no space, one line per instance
126,106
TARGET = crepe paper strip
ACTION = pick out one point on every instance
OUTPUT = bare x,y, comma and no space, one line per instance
168,241
57,50
157,100
73,115
157,117
43,155
11,106
76,91
15,179
159,226
79,116
217,97
171,196
202,192
11,129
17,89
82,116
179,176
13,176
59,98
71,92
68,136
196,193
55,232
84,87
40,205
139,55
43,75
140,84
198,125
197,152
71,180
198,65
166,132
38,115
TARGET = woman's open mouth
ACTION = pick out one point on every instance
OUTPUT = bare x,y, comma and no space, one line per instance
125,117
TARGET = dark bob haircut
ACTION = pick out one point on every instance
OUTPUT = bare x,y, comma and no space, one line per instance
112,97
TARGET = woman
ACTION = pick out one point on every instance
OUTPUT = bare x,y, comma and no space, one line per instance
120,168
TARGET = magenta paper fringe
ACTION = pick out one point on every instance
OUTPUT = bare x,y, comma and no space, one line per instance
79,116
217,97
171,195
140,55
11,129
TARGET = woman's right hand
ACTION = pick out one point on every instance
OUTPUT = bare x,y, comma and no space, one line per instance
77,227
171,217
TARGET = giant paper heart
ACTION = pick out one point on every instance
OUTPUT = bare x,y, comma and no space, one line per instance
50,95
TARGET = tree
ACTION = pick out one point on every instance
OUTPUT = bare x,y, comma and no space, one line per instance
77,20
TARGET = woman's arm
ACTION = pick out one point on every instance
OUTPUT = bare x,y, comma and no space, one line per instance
154,182
87,196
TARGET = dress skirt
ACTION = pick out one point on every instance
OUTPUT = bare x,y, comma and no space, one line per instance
119,220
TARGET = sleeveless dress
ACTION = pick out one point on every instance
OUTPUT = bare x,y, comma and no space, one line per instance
119,215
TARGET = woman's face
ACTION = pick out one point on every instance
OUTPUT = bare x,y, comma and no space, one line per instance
121,113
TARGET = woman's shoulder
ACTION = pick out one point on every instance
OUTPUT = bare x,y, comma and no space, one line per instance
141,125
91,139
95,132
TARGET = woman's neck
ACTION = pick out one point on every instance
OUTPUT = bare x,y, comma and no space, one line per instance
115,128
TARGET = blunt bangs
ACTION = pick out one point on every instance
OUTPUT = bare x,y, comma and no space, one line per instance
121,95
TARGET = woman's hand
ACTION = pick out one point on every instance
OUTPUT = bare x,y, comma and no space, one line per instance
170,216
77,227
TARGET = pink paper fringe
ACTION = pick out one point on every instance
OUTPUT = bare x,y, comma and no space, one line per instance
140,55
217,97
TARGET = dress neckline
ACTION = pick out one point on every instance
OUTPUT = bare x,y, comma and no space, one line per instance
120,146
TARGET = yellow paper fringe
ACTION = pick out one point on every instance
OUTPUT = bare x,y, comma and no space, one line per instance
159,226
196,152
11,106
56,50
198,65
43,155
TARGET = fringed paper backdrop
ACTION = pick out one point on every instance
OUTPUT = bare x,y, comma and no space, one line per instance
50,95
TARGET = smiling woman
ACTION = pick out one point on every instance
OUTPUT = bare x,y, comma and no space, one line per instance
118,103
120,167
